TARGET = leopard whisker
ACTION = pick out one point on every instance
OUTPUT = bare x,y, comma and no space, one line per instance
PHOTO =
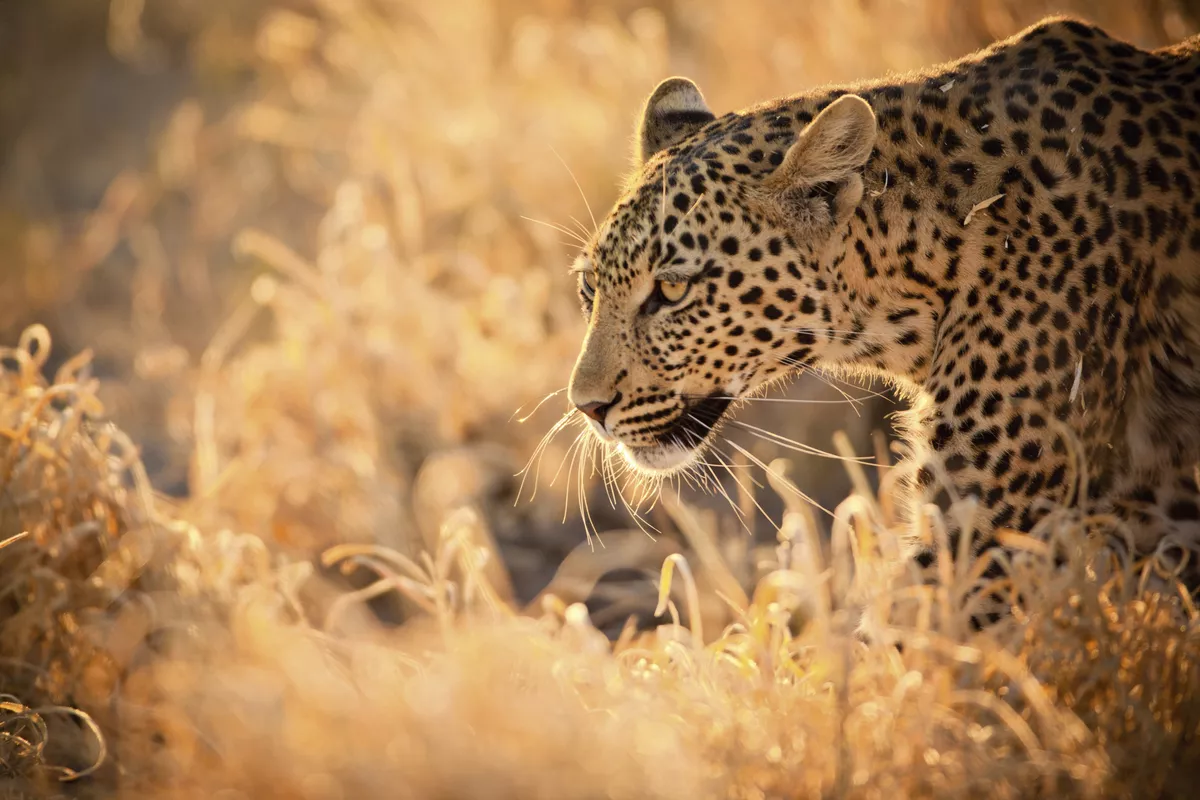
641,521
854,403
725,463
584,507
734,466
737,511
795,490
582,195
795,400
799,447
741,486
655,496
633,511
608,474
538,452
579,225
560,228
576,450
709,475
828,379
641,485
841,378
534,410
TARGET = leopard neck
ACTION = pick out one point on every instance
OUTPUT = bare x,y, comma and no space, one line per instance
913,243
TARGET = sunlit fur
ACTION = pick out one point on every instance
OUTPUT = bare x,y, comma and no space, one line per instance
1010,239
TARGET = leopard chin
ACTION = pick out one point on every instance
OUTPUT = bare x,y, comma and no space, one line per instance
662,460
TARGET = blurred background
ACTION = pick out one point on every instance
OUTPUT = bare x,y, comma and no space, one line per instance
310,243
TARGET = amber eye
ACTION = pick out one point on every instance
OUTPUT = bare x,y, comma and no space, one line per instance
673,291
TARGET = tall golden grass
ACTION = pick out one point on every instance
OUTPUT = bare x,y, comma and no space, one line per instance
338,301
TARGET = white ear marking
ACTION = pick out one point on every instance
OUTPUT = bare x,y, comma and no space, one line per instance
674,110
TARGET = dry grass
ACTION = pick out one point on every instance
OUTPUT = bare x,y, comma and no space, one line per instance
375,307
210,666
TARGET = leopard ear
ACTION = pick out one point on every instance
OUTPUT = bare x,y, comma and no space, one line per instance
829,153
674,111
836,143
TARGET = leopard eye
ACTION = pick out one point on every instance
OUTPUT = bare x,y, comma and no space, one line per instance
673,291
585,286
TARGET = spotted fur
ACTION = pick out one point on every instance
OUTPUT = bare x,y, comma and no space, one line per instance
830,229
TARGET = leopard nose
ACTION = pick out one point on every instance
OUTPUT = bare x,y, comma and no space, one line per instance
598,410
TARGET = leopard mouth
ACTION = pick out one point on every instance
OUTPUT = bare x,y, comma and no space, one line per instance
679,445
697,420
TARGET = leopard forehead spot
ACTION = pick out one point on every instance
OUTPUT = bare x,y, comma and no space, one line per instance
1011,239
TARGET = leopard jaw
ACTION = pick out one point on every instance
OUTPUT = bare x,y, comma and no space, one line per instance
668,459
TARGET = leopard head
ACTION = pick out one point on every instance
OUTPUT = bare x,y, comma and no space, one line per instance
708,277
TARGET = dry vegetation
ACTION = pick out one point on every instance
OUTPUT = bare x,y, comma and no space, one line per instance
316,301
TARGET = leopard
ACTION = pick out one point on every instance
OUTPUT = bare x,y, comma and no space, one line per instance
1011,240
